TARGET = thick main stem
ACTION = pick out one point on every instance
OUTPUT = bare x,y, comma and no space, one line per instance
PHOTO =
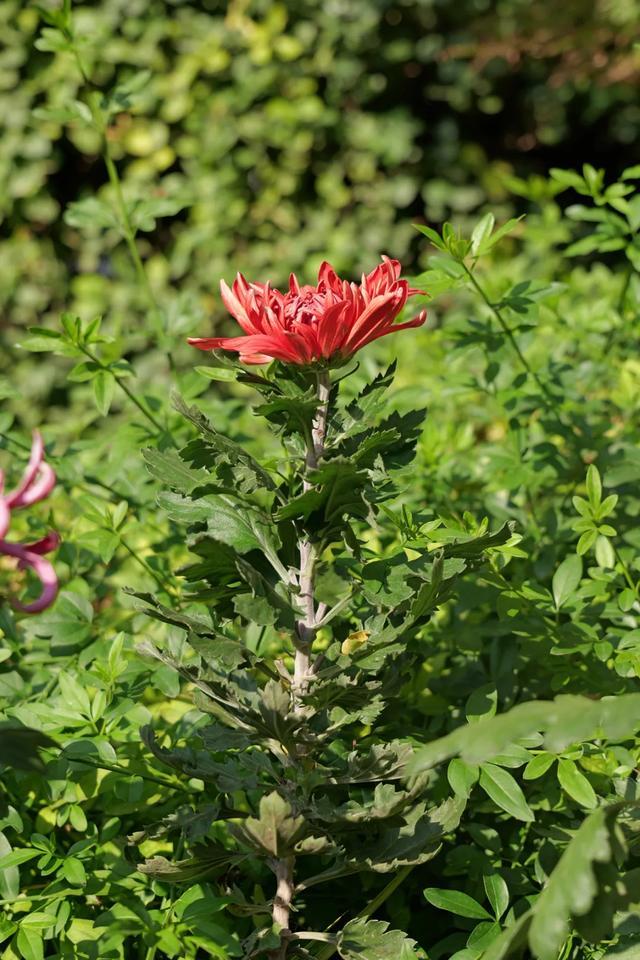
284,895
306,626
303,640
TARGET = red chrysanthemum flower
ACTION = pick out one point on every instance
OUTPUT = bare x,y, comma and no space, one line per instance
308,324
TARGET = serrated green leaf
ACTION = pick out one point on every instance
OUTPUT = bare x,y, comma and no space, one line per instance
512,939
565,720
89,213
171,469
571,887
363,939
276,830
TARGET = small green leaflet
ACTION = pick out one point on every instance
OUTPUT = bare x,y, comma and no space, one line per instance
497,893
566,579
576,784
503,789
454,901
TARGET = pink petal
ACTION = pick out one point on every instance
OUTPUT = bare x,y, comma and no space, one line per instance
5,517
45,545
37,449
277,346
333,328
42,569
380,310
39,488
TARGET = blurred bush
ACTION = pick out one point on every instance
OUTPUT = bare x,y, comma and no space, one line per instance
288,132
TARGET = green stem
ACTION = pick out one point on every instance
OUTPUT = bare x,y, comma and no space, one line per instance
130,394
85,76
151,572
27,898
128,229
116,183
506,329
371,907
127,226
625,570
116,768
624,289
166,906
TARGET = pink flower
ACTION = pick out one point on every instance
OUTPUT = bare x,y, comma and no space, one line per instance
37,483
307,324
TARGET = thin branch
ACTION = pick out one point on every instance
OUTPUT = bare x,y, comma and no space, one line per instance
327,952
123,386
506,329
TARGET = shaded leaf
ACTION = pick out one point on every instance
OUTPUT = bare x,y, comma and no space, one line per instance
363,939
503,789
456,902
566,579
276,831
576,784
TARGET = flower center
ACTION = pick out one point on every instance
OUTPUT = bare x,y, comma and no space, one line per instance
304,307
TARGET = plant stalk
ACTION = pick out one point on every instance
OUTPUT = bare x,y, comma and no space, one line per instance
306,626
303,640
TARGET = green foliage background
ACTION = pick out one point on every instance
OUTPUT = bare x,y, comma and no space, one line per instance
265,137
292,131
